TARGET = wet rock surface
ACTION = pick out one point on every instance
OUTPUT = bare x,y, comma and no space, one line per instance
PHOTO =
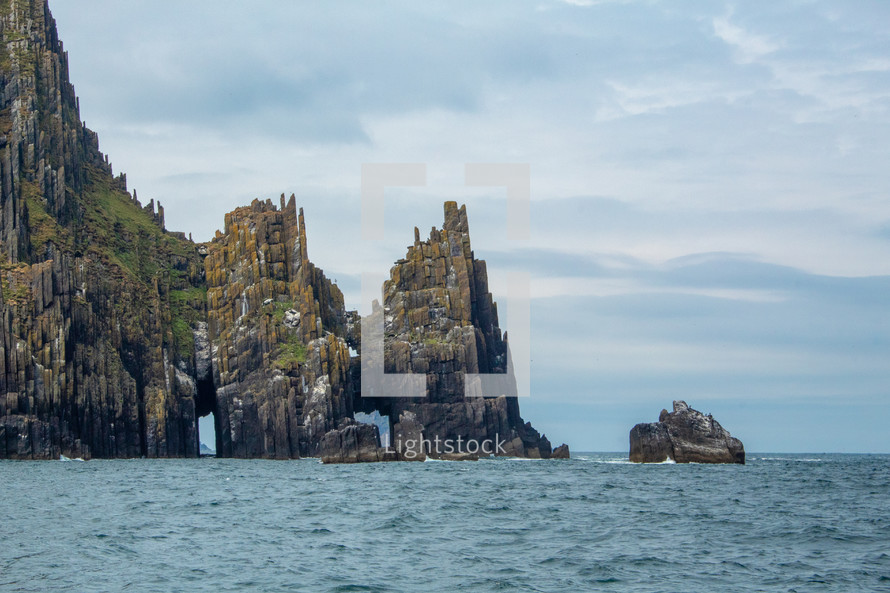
355,443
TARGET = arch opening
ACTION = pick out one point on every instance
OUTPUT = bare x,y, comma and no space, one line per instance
207,425
207,435
381,421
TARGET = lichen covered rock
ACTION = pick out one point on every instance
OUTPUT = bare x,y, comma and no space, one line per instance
117,334
440,321
281,364
95,305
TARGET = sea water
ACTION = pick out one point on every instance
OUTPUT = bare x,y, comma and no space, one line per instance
594,523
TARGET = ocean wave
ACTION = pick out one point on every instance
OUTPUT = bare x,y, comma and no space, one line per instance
483,527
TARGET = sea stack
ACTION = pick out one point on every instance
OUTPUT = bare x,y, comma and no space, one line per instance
684,436
441,321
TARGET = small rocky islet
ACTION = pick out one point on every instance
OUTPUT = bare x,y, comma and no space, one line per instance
116,334
684,436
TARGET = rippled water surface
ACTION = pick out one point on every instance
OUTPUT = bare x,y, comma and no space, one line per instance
781,523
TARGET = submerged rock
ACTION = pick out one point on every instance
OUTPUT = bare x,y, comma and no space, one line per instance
684,436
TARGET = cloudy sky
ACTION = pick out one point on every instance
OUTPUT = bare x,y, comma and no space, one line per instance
710,188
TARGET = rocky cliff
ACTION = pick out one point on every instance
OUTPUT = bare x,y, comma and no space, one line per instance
91,283
684,436
440,321
116,334
280,362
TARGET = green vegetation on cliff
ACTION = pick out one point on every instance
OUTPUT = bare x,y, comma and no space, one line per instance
43,227
291,353
122,233
186,310
98,300
13,279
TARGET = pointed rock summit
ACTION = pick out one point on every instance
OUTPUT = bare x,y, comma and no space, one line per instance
440,321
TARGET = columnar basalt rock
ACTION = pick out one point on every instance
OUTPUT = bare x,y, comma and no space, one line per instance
281,365
90,364
684,436
43,145
440,321
91,357
116,334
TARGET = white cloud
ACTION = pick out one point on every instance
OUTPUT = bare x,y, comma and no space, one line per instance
834,88
659,93
749,46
